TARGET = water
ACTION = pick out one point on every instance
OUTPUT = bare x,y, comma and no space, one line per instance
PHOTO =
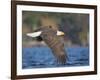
42,57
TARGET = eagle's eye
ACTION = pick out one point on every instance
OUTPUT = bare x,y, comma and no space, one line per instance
50,26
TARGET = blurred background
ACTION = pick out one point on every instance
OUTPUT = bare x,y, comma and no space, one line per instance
74,25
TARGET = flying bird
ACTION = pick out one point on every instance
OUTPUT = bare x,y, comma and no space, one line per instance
51,37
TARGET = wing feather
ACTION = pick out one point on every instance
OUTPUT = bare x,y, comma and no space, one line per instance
56,45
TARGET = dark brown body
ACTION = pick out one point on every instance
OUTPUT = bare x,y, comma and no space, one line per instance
50,37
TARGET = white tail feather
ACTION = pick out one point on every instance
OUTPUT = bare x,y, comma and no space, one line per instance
34,34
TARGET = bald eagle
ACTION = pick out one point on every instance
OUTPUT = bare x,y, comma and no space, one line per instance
51,37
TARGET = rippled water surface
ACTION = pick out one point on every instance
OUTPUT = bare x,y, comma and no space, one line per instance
42,57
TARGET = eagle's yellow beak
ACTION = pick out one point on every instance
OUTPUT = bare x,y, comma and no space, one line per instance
60,33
